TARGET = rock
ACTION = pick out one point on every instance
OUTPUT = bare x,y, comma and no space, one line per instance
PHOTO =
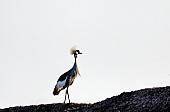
145,100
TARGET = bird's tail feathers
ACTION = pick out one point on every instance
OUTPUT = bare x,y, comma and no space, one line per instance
55,92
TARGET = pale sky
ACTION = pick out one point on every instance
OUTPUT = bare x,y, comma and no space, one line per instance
125,46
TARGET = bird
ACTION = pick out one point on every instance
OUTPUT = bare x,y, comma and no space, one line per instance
67,79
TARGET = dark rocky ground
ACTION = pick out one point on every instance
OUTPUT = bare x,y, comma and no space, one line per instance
145,100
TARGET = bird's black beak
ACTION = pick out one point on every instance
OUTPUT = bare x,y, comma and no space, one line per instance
80,53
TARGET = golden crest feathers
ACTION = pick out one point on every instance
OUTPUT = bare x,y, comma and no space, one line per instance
73,49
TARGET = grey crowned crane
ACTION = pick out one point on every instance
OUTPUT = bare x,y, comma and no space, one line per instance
67,79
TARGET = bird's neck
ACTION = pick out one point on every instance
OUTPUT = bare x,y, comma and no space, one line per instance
75,66
75,62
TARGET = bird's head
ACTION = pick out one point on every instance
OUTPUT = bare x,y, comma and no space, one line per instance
75,51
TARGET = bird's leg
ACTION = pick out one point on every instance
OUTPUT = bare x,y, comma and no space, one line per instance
68,95
65,96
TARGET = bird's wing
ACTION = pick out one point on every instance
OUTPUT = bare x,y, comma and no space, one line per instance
61,84
63,77
63,80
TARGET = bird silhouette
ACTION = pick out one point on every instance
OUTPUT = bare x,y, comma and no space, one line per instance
67,79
